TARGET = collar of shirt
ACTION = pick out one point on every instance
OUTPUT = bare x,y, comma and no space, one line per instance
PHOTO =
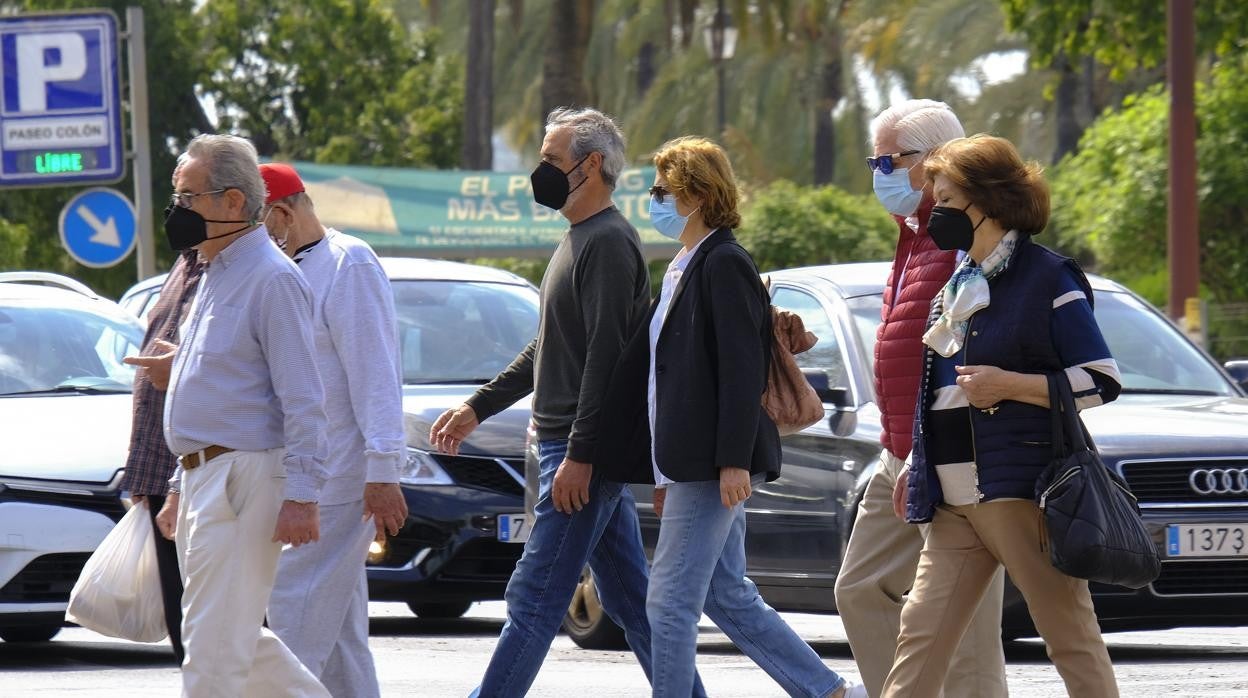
682,259
306,250
240,248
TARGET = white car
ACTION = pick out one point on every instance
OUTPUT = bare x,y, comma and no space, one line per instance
65,417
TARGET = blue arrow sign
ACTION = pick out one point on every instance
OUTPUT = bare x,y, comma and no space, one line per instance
60,101
98,227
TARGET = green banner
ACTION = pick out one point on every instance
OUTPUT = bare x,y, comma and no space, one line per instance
440,213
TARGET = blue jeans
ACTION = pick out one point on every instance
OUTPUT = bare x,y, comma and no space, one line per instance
606,534
699,564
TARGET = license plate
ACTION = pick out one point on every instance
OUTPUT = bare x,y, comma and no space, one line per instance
1207,540
513,528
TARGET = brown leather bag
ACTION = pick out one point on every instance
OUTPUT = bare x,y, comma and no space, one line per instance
790,400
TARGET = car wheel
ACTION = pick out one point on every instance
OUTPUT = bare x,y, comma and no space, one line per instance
29,633
587,624
442,611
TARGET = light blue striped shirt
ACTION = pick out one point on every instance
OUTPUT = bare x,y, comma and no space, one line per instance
245,375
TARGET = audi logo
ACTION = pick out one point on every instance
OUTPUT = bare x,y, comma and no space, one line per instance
1219,481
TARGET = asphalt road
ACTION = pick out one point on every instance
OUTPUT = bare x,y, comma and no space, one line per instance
437,659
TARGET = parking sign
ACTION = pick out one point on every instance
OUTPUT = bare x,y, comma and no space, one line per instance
60,103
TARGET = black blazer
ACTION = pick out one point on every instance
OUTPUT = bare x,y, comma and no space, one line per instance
710,374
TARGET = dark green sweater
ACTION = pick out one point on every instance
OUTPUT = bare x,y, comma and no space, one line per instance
595,290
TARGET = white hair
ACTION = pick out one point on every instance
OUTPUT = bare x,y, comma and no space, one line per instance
232,163
592,131
920,124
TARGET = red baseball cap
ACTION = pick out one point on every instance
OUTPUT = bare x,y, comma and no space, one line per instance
281,180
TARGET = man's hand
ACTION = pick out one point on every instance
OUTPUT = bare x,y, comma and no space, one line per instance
660,496
137,499
167,517
571,489
452,428
734,486
384,502
900,494
158,365
298,523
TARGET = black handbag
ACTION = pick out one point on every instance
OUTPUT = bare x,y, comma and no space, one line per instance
1091,518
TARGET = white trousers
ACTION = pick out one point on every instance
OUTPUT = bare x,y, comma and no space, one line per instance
226,519
319,605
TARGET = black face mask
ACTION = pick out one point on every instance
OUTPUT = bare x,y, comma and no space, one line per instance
550,184
951,228
186,228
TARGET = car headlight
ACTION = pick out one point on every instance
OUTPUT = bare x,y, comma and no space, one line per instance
422,469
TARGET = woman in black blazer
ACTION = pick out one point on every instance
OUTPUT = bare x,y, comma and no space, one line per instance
684,411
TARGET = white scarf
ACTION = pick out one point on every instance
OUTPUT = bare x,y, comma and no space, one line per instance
965,294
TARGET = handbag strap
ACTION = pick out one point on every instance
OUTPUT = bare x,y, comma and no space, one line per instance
1068,430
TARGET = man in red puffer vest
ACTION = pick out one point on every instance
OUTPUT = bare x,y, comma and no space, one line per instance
883,553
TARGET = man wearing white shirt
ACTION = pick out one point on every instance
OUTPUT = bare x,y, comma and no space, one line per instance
319,605
244,414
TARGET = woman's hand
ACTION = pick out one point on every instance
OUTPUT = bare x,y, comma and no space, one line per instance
985,386
734,486
900,494
660,496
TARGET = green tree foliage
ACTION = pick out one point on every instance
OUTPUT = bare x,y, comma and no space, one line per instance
787,225
1123,34
334,81
28,217
1110,199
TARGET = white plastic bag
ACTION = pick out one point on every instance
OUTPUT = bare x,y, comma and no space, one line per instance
118,593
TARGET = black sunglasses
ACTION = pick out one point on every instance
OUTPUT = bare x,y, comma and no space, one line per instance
884,163
658,192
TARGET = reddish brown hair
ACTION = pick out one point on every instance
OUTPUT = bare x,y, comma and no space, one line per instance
995,178
696,166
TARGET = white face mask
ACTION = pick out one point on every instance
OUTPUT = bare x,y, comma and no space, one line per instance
280,242
894,191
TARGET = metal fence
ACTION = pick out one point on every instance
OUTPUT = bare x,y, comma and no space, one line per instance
1227,330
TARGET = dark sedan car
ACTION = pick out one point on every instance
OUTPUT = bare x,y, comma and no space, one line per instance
1178,434
459,325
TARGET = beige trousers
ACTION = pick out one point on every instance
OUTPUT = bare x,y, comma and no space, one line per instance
877,572
967,545
226,518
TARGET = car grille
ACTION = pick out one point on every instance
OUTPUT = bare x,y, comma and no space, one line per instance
1166,482
483,560
47,579
494,474
1184,578
106,503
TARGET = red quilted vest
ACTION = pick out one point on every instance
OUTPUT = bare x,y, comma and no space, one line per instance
899,339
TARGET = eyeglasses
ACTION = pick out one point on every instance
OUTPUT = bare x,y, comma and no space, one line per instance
185,199
659,193
884,163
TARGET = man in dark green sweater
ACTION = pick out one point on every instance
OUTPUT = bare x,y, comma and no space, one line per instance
594,293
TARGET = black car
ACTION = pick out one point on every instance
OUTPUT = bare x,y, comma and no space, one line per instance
459,325
1178,434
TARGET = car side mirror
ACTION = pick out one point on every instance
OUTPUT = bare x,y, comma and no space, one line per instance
838,397
1239,371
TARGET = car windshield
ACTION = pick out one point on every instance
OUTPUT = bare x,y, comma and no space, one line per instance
1152,356
461,331
46,348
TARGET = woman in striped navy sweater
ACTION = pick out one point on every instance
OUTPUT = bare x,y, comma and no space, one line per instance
1012,312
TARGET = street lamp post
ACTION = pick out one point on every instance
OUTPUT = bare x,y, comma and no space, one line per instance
721,43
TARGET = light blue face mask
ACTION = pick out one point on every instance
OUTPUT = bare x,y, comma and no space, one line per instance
665,219
894,191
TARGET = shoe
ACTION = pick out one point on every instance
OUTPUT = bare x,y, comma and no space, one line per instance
855,690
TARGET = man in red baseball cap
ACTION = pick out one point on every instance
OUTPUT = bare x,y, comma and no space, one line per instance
319,605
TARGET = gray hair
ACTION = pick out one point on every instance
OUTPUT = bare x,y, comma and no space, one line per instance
232,164
592,131
921,124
